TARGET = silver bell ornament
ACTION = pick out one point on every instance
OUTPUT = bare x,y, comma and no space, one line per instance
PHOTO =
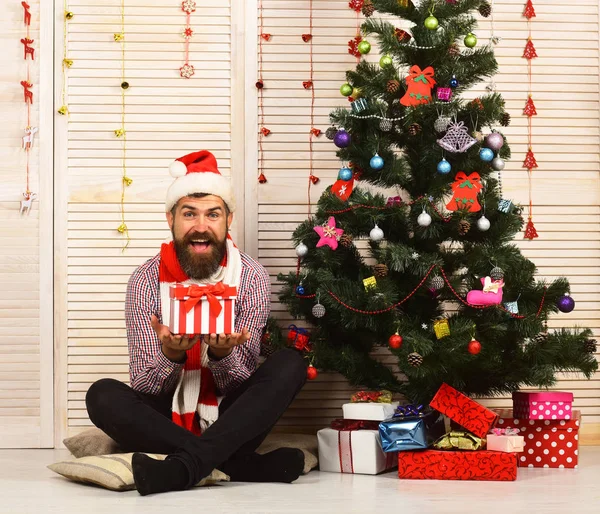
424,219
483,224
494,141
301,250
498,164
376,234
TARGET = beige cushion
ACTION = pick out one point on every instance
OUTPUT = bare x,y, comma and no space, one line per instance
95,442
113,471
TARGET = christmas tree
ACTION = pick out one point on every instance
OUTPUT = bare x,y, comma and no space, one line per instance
431,272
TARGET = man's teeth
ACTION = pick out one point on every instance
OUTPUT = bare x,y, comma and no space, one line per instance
199,240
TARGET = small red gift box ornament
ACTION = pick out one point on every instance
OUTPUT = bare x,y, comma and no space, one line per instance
444,94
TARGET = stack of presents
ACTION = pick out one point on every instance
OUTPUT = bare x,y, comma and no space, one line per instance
454,438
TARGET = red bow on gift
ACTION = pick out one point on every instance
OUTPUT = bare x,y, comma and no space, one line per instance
349,425
196,293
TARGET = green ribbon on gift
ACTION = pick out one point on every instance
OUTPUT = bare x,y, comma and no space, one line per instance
459,441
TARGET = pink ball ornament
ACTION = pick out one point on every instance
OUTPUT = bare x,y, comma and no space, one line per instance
494,141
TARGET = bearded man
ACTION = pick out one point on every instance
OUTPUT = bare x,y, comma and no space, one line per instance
203,400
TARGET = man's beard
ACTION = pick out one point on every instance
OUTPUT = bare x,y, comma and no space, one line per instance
199,266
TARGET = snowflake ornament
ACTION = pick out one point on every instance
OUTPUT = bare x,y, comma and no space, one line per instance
186,71
415,255
188,6
188,32
424,326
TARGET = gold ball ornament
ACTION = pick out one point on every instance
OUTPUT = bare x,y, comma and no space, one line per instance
69,15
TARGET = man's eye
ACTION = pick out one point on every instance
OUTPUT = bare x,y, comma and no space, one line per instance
213,215
188,214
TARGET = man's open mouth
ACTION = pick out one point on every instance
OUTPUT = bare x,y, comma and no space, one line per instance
200,245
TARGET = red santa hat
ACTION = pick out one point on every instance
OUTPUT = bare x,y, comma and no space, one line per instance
197,172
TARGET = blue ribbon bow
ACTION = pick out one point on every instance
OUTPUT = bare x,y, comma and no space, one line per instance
408,410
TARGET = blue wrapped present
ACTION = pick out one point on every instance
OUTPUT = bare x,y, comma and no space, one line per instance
411,428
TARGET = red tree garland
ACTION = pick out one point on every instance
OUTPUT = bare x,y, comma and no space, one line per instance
263,131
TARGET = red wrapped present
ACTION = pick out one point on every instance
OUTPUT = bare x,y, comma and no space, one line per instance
202,309
457,465
299,338
549,443
542,404
462,410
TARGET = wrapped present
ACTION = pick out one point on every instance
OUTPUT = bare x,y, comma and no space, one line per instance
441,328
505,440
410,428
353,447
444,94
469,414
359,105
548,443
451,465
457,440
393,201
202,309
370,406
299,338
542,404
372,397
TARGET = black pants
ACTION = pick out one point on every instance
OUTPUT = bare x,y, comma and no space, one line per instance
141,422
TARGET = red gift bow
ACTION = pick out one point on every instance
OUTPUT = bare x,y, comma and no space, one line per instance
473,181
196,293
366,396
418,75
349,425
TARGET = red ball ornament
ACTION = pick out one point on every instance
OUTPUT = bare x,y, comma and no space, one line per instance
474,347
395,341
311,373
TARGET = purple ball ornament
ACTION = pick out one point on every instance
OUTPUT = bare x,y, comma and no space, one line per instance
565,303
342,139
494,141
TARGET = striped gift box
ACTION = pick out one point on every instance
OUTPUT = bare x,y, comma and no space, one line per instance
202,309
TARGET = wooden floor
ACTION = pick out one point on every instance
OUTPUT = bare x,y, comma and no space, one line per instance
26,486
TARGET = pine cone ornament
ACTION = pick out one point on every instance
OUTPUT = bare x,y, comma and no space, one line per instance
497,273
368,9
380,270
393,86
330,133
346,240
414,129
540,339
505,121
485,9
414,359
385,125
463,227
591,346
454,50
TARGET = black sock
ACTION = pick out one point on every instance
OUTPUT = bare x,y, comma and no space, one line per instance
158,476
281,465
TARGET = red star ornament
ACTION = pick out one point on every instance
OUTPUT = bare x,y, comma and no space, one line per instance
329,234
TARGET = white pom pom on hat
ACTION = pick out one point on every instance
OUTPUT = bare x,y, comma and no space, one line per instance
197,172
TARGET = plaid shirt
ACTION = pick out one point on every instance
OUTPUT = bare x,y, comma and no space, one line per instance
151,372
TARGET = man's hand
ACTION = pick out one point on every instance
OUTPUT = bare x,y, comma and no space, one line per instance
173,347
221,345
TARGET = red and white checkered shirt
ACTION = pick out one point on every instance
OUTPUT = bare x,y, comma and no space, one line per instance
151,372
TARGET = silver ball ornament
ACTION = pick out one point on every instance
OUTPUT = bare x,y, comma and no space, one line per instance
301,250
318,310
424,219
483,224
497,273
495,141
498,164
437,282
441,124
376,234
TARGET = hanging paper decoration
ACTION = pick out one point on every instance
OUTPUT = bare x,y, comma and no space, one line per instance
188,7
66,63
530,161
263,132
329,234
465,190
530,231
353,46
530,109
457,138
419,83
529,11
342,189
490,295
529,52
313,132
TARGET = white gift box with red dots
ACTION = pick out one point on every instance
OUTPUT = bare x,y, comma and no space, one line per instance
549,443
542,404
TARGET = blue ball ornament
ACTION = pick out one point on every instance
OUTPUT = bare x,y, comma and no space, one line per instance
300,290
345,174
453,82
444,167
376,162
486,154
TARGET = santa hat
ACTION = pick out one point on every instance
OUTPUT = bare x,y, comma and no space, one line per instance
197,172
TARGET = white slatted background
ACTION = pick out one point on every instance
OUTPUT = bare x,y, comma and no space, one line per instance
25,383
166,117
566,144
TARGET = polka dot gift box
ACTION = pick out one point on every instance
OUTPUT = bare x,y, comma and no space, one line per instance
549,443
542,404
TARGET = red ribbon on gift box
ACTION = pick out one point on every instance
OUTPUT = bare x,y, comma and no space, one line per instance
349,425
195,293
